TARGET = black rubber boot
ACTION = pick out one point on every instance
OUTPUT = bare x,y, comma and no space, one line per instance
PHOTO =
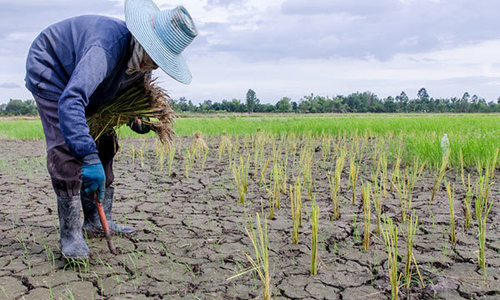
73,245
92,224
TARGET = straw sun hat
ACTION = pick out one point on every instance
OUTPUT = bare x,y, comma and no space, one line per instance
163,34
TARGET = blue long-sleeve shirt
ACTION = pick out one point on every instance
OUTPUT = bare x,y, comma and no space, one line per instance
81,63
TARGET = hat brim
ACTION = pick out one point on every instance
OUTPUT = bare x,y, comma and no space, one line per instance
138,17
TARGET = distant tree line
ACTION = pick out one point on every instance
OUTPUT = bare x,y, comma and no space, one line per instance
16,107
355,103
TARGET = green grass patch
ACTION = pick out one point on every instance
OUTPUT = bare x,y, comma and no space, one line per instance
21,129
477,135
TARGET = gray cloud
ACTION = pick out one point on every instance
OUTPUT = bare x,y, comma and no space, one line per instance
34,14
222,3
357,29
355,7
259,43
21,21
9,85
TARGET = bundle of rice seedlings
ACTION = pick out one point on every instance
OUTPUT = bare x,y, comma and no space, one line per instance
200,149
199,145
224,145
143,99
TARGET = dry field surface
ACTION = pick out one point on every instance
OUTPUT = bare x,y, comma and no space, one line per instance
191,235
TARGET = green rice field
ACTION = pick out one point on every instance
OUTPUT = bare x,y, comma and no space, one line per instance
477,136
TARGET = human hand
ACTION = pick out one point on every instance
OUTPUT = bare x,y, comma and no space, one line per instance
93,179
137,125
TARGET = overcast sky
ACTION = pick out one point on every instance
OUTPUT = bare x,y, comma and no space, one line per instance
297,47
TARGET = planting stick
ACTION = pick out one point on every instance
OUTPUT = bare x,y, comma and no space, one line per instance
105,226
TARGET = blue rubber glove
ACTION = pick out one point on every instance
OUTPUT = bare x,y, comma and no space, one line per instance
94,179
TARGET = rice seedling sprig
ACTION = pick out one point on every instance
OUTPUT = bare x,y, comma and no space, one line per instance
326,147
396,172
171,149
411,229
283,173
403,192
451,201
225,145
188,162
469,195
390,235
141,154
366,195
276,188
234,155
383,173
353,176
334,183
462,175
442,171
132,152
377,202
483,208
258,143
412,175
483,217
260,264
494,163
306,166
314,239
199,148
262,180
240,174
296,207
161,159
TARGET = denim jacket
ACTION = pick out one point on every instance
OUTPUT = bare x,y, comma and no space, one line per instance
80,63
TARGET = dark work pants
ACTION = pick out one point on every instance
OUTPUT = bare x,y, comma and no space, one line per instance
64,169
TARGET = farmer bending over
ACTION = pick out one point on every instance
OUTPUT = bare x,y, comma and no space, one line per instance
77,65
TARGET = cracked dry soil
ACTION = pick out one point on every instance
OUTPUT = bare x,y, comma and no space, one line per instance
191,237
